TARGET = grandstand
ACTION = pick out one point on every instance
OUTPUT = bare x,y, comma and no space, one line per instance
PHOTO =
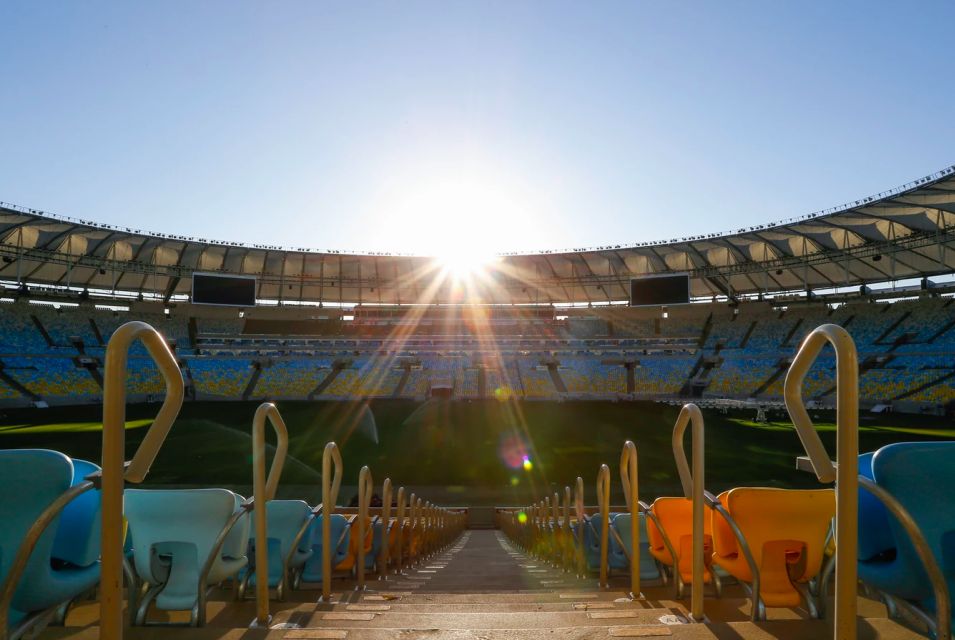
869,284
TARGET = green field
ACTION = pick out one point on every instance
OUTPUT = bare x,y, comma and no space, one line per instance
458,447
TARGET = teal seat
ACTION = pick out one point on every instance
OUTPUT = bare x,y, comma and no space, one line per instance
622,525
285,519
30,481
175,532
377,535
920,475
341,534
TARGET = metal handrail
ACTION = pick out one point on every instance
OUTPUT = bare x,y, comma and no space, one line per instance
263,491
943,611
846,473
603,500
115,472
693,489
628,477
330,487
678,579
581,516
385,525
199,612
30,540
758,612
400,523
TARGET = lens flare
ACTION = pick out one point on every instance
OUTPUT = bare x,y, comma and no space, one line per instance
527,464
522,517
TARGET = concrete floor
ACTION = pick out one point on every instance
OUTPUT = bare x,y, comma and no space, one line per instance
483,588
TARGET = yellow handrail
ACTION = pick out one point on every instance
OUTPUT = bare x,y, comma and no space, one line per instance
263,490
603,501
693,490
331,456
114,445
628,477
400,517
365,488
385,534
412,525
581,514
846,473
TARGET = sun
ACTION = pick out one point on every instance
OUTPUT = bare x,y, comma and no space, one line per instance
463,264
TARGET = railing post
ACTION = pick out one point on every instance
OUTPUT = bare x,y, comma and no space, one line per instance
400,518
365,487
385,534
628,477
263,491
693,489
846,473
581,514
330,487
603,501
114,445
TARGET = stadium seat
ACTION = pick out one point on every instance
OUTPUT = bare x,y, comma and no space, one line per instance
621,525
920,476
675,517
786,530
64,562
341,543
175,532
288,545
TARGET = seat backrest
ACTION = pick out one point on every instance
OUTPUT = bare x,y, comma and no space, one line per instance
191,516
339,525
78,534
875,535
676,518
920,475
285,520
30,480
236,542
766,514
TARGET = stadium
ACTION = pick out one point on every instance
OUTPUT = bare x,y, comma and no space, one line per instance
476,320
496,389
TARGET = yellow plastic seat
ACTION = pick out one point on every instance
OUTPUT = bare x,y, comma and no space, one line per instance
676,518
786,532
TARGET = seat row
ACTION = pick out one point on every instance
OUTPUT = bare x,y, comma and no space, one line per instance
180,542
777,543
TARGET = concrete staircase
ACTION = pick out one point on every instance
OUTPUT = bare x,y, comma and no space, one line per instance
484,588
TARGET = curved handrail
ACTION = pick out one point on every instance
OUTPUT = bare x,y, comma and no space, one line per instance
365,488
713,503
846,474
693,489
603,502
400,523
199,612
581,515
628,477
943,612
115,473
331,456
263,491
385,533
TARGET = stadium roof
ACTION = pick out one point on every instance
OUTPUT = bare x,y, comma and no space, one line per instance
906,232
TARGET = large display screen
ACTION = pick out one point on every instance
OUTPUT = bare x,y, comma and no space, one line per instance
229,291
660,290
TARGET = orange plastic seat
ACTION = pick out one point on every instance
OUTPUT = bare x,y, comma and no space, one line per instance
676,518
350,561
786,532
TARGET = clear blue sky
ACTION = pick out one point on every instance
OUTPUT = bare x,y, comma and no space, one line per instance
412,126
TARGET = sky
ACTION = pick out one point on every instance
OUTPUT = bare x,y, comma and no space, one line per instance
449,127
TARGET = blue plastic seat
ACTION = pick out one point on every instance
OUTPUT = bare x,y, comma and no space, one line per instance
64,562
340,537
175,532
285,519
377,535
920,475
622,525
